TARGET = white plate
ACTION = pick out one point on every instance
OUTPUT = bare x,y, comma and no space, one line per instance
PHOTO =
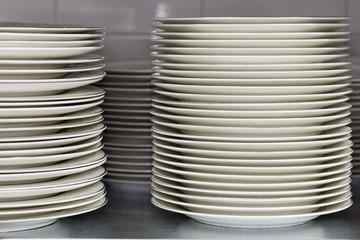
14,178
37,161
278,43
245,35
44,43
247,59
251,67
72,195
250,146
270,113
221,81
77,93
249,106
41,87
237,50
324,135
225,98
46,188
266,154
250,90
256,188
252,74
45,111
36,121
252,131
253,221
248,193
44,28
32,36
267,121
276,164
49,63
256,28
83,161
29,221
129,67
46,73
37,130
244,170
45,52
51,150
237,20
251,209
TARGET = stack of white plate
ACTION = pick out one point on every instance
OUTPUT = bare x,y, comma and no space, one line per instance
50,124
127,116
251,119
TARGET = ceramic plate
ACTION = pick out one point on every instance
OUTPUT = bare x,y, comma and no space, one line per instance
243,170
45,28
258,121
36,190
38,161
49,63
270,113
250,90
247,59
225,98
45,111
258,20
45,52
250,146
251,67
41,73
69,196
252,81
324,135
275,164
252,74
252,131
253,211
41,87
32,36
287,43
248,106
237,50
265,154
251,194
255,187
247,35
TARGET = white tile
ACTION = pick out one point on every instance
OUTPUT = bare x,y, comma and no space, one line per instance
38,11
119,16
275,7
126,47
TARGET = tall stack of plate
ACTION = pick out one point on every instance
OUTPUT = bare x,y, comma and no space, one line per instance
251,119
50,124
127,116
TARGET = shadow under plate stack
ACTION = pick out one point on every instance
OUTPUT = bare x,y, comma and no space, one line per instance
128,138
251,119
50,124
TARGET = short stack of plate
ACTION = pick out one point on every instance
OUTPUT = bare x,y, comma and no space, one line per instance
251,119
50,124
127,116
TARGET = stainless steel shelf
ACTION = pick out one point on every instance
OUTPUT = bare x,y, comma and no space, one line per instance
130,215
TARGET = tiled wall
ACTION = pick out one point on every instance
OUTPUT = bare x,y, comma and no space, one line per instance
129,22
